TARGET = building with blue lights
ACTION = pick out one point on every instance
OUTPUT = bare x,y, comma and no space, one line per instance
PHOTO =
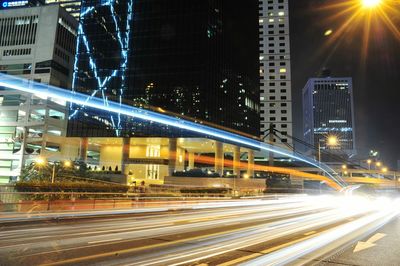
328,110
182,56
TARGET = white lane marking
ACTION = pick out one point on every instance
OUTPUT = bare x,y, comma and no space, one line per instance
369,243
106,240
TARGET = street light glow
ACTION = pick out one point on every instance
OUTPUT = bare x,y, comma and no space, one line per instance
332,141
370,3
40,161
67,164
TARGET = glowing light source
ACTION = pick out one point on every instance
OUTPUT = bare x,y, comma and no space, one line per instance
67,164
370,3
328,32
332,141
246,176
40,161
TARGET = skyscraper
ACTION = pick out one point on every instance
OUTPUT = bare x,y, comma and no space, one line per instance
71,6
328,111
181,56
275,73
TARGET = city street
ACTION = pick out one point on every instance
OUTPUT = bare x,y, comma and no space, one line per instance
250,232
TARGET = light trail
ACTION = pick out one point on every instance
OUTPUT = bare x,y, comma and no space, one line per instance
49,91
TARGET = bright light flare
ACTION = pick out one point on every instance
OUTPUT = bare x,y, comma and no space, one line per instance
328,32
332,140
370,3
40,161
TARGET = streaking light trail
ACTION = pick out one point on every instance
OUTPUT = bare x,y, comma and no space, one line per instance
29,86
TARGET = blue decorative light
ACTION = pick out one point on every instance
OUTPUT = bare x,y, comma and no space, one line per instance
123,39
35,88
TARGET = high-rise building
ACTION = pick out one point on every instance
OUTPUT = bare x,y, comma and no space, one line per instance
36,43
187,57
9,4
275,73
328,111
71,6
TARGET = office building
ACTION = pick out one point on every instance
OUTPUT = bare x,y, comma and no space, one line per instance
71,6
180,56
10,4
275,73
328,111
37,43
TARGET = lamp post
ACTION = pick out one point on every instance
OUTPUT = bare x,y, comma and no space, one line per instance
331,140
369,161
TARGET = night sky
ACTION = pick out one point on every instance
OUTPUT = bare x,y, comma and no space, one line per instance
376,75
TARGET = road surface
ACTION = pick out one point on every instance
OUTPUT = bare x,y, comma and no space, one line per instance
296,230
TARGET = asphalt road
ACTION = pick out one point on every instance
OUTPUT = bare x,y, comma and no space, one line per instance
253,232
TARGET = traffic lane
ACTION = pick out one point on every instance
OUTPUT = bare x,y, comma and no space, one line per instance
56,250
66,230
7,218
378,248
190,250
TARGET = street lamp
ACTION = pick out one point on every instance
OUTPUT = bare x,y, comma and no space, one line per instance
369,161
378,164
67,164
40,161
331,140
384,169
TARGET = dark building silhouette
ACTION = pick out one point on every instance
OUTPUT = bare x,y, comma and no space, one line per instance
195,58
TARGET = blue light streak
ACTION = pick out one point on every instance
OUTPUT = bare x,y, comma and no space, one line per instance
29,86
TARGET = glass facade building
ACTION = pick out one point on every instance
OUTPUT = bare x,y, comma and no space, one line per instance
192,58
328,110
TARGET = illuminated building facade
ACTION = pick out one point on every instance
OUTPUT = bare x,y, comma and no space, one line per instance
37,43
175,55
275,72
9,4
328,110
71,6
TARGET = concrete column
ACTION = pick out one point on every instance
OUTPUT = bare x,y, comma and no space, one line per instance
191,160
83,149
126,146
236,161
219,158
180,159
172,152
250,163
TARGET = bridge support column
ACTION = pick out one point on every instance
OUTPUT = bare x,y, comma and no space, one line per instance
219,158
83,149
172,153
250,163
236,161
126,146
191,160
